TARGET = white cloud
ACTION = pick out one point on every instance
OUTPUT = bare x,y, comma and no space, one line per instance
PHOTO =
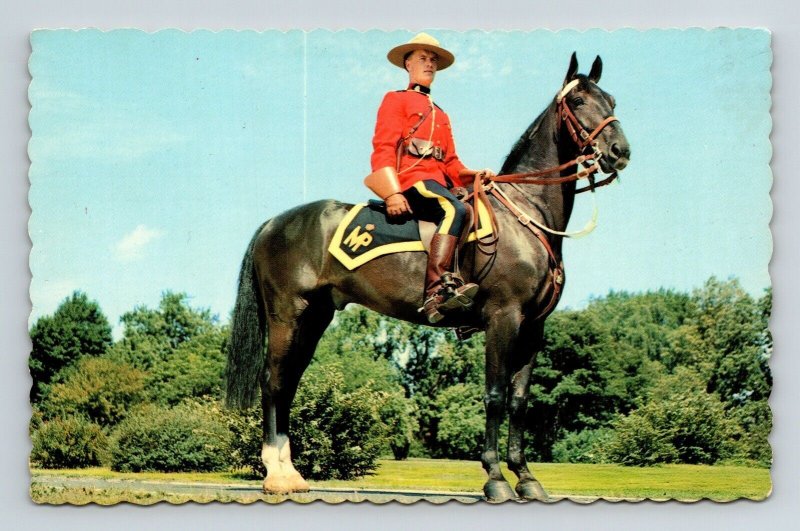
131,247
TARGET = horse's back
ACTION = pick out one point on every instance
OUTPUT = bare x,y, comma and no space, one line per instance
291,249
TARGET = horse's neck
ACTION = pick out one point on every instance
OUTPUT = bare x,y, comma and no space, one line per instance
548,147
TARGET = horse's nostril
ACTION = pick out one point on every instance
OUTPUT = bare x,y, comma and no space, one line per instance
620,151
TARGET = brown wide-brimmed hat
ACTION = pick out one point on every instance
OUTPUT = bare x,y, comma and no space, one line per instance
420,41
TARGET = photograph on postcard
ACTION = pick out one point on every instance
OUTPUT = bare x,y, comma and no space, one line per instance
400,265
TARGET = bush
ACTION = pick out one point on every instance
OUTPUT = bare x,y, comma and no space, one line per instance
459,420
681,423
71,442
398,415
755,423
585,446
191,437
245,429
101,389
333,434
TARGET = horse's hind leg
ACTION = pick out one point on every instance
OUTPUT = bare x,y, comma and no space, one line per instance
291,346
523,358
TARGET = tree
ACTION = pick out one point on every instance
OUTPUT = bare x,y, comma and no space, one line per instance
195,368
77,328
174,321
100,389
580,380
152,335
734,330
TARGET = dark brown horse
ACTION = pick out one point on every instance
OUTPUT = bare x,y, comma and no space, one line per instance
290,286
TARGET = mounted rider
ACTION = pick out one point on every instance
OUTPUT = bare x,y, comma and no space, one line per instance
414,165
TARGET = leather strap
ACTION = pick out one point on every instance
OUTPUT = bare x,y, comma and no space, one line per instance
556,266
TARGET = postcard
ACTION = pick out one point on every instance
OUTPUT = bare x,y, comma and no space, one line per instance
384,266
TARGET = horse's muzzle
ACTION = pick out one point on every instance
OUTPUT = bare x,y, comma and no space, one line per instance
619,155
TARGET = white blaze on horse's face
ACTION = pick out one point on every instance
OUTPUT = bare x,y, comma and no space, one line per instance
422,66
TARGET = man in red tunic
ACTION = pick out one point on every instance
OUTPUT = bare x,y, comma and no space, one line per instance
414,163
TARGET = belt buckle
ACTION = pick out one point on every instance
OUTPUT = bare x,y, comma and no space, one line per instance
437,153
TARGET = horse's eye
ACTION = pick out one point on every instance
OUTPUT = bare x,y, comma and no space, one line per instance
577,102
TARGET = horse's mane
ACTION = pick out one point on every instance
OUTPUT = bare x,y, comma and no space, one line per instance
522,146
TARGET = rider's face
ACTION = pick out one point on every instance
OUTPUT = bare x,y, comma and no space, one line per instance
421,66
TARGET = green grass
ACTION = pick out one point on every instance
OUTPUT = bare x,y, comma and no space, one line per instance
683,482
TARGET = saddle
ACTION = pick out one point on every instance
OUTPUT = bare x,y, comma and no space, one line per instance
366,233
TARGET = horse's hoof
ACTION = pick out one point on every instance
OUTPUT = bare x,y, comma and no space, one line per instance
298,484
276,485
530,489
285,484
498,491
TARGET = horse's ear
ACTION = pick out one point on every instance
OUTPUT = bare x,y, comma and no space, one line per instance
573,68
597,70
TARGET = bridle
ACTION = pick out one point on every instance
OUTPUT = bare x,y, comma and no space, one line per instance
584,140
588,151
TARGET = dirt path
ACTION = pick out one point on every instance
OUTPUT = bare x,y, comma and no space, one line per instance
252,492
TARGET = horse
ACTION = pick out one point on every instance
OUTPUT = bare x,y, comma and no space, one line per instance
290,286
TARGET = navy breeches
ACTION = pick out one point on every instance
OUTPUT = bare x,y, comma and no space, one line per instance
432,202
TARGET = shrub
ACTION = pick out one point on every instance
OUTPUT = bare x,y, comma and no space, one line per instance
245,429
398,415
681,423
333,434
459,419
585,446
101,389
191,437
71,442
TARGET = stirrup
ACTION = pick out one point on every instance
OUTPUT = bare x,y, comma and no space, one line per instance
457,293
449,297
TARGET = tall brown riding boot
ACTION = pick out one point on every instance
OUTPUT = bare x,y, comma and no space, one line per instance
444,290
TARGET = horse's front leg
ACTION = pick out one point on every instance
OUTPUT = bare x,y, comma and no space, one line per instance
501,337
531,341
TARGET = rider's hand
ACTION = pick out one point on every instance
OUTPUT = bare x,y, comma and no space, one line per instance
486,173
397,206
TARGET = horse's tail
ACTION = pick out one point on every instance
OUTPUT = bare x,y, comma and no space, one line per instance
246,346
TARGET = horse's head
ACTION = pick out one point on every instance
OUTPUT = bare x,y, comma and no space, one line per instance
587,112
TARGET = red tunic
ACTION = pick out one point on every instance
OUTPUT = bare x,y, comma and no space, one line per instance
397,115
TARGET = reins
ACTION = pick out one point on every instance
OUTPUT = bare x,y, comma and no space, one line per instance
582,138
482,186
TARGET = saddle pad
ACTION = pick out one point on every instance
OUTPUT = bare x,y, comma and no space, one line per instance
366,233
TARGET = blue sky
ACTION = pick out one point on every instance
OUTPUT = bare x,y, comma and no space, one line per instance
156,156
